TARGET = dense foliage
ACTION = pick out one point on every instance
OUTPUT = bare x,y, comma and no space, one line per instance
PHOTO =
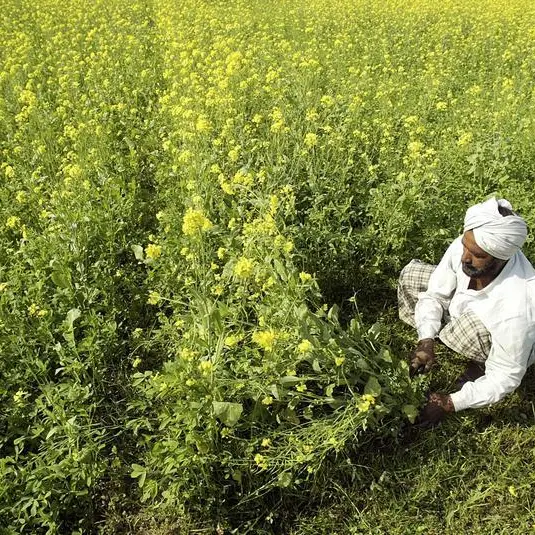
189,191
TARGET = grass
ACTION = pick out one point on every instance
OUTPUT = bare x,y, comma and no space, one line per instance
469,476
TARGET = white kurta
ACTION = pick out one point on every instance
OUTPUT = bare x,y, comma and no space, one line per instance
507,309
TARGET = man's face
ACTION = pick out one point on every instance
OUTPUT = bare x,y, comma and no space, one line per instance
476,262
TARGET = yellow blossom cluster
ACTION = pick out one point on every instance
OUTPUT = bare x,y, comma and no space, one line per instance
265,339
153,251
305,346
244,267
154,298
366,402
195,222
36,311
232,340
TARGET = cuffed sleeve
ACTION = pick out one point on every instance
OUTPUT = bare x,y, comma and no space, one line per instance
503,374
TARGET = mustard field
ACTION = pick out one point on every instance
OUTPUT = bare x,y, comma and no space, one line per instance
205,207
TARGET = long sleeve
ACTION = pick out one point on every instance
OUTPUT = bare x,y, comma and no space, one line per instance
435,301
502,376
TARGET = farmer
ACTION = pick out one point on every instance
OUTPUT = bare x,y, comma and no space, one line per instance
480,302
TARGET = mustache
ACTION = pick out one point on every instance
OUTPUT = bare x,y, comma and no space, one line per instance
470,270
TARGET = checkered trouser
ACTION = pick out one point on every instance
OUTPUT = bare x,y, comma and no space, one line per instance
465,335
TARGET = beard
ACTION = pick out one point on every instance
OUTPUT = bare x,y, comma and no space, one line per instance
475,273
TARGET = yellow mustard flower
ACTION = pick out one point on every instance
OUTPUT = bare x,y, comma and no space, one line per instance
305,277
464,139
265,339
202,124
327,101
187,354
311,140
154,298
288,246
234,154
243,178
244,267
268,400
19,396
194,222
339,360
232,340
273,203
153,251
9,171
305,346
260,461
218,290
226,186
12,221
206,367
366,401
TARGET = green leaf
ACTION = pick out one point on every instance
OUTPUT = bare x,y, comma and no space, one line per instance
332,315
372,387
411,412
302,312
288,415
375,330
139,472
72,316
51,433
228,413
280,269
61,277
290,379
141,480
308,413
202,445
362,364
138,252
355,327
385,355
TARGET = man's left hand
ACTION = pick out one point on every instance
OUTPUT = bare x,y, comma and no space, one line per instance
436,409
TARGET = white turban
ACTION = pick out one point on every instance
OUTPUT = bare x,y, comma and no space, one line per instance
497,235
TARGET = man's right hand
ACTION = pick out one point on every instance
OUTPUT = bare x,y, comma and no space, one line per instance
423,357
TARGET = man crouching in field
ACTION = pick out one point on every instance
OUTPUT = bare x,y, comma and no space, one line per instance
480,302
